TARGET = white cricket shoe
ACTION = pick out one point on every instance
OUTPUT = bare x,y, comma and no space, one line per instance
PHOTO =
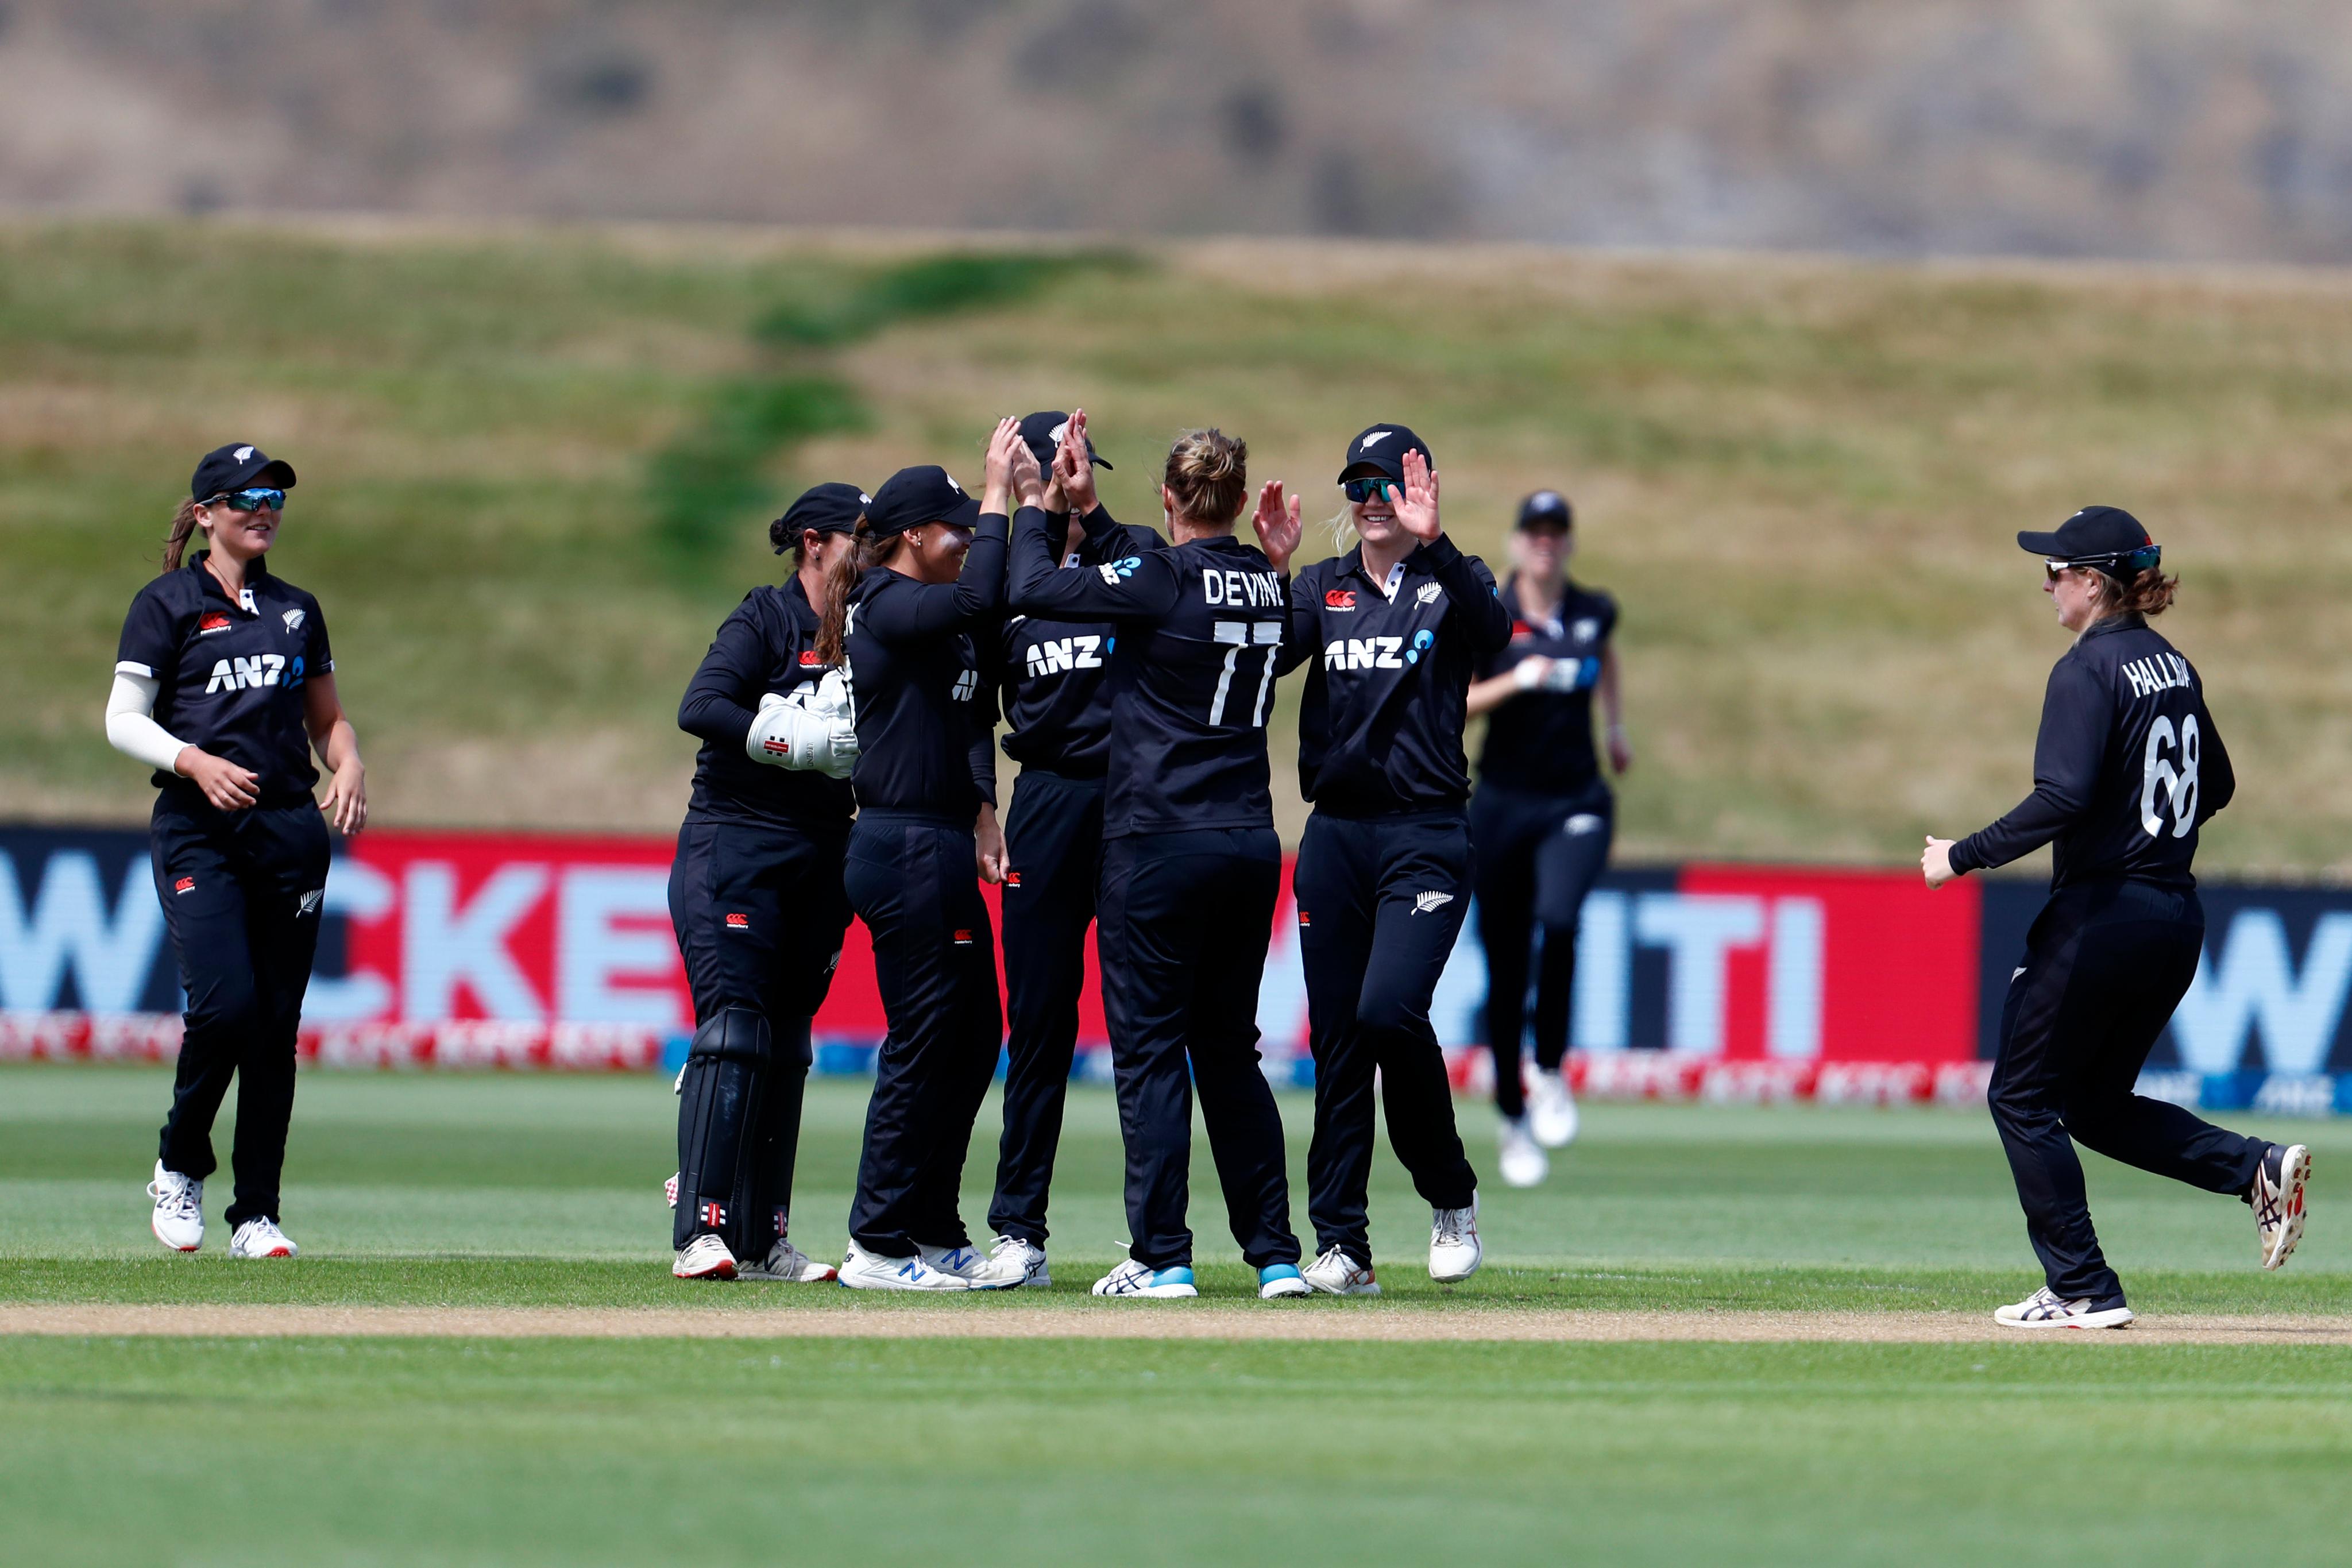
704,1257
1011,1250
980,1271
789,1264
2277,1195
864,1270
1132,1280
1551,1109
1336,1274
1523,1164
2044,1309
179,1222
260,1238
1453,1250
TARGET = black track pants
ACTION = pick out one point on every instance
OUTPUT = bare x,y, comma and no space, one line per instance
1379,906
915,883
760,912
241,895
1186,917
1053,837
2105,965
1538,855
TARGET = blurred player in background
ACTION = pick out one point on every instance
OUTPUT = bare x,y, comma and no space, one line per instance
225,684
755,896
1393,629
1191,867
1050,675
1542,818
2127,768
906,613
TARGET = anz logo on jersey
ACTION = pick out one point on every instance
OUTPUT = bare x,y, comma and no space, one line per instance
1052,655
263,669
1377,653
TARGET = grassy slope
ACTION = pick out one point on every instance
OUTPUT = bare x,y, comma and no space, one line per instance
1801,478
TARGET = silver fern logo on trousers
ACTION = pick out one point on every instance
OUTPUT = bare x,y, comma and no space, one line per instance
1425,902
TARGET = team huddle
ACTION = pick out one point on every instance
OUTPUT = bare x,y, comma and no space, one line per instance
849,767
849,720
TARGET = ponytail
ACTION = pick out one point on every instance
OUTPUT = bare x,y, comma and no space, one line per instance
864,554
176,543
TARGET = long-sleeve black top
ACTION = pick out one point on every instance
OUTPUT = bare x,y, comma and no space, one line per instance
1201,627
925,720
1390,664
2127,767
1052,676
768,644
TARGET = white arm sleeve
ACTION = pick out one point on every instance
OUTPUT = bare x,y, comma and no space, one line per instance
130,726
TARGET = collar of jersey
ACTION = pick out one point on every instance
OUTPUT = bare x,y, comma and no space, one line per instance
1353,563
255,574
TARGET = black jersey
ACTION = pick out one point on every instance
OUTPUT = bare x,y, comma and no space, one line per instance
1541,741
925,720
769,644
2127,767
1201,627
1379,727
230,672
1051,675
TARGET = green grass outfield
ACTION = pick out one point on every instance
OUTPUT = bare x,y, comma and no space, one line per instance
545,1191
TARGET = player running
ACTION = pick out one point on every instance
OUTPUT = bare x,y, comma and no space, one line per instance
1542,818
1190,864
755,896
1050,677
2127,768
225,684
906,609
1385,870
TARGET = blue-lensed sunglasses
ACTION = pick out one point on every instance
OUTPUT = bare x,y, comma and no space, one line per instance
2126,564
1374,488
259,498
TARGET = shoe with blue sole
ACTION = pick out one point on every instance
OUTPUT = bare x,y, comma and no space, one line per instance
1132,1279
1279,1279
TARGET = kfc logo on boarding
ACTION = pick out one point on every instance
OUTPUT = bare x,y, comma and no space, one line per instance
738,922
213,621
1339,598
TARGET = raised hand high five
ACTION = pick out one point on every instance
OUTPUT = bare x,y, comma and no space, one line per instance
998,497
1074,466
1416,503
1278,527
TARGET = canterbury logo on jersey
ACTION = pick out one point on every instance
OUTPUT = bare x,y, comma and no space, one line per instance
963,938
1057,654
808,659
738,922
1339,598
1256,589
967,682
262,669
185,885
213,621
1377,653
1013,879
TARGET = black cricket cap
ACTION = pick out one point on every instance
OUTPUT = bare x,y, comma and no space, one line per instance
913,497
1044,432
1546,508
826,509
238,466
2095,536
1383,447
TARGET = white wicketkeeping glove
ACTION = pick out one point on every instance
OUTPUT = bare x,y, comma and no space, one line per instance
831,696
795,736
